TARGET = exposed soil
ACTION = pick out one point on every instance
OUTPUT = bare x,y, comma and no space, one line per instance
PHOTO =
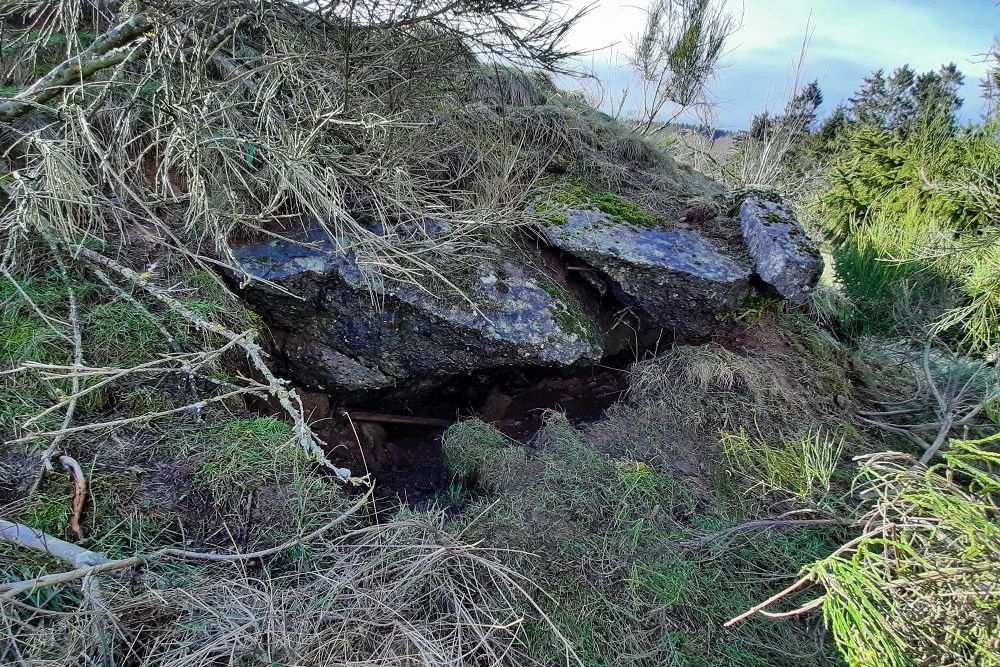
406,460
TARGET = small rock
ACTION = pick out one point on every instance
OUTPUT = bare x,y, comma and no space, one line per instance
785,257
677,277
372,434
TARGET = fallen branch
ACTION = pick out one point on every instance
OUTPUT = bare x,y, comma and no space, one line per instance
31,538
80,492
149,416
954,402
764,523
89,563
399,419
74,321
110,49
799,583
768,602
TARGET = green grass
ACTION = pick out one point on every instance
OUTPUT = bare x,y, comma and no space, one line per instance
242,453
473,451
122,335
26,337
50,511
605,531
803,466
575,194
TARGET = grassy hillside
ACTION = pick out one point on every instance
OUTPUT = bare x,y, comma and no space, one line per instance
810,485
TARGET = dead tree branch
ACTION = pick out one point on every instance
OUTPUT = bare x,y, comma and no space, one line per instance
110,49
954,397
800,583
89,563
74,321
764,524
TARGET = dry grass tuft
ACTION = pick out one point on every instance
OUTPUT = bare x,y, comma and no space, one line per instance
407,592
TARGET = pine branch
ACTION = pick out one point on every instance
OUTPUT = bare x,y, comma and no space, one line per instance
110,49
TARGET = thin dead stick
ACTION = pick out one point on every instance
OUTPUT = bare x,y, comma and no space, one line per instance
398,419
802,581
768,602
80,492
96,563
192,361
74,322
98,426
956,403
807,607
14,588
264,553
288,398
765,523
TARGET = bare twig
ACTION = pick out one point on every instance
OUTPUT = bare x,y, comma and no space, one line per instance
764,524
954,401
91,563
802,581
788,590
399,419
74,320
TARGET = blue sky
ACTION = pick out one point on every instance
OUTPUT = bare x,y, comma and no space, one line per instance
850,38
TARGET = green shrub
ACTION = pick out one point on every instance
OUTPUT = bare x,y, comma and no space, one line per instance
919,587
915,217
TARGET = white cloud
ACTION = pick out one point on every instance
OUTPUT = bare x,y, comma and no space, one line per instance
849,39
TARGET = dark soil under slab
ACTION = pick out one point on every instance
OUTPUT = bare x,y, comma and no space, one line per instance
406,460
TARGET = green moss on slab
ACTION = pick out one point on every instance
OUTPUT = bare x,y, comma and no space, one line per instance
619,209
551,213
569,314
574,194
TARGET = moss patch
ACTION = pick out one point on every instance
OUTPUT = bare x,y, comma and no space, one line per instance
569,314
574,194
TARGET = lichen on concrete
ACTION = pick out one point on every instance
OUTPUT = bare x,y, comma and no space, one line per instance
677,278
508,314
783,254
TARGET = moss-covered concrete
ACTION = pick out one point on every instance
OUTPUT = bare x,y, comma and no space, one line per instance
573,194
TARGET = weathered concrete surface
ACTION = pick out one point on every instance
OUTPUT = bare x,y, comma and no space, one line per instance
679,279
784,256
350,335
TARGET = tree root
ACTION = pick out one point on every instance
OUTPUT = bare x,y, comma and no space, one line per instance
80,492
